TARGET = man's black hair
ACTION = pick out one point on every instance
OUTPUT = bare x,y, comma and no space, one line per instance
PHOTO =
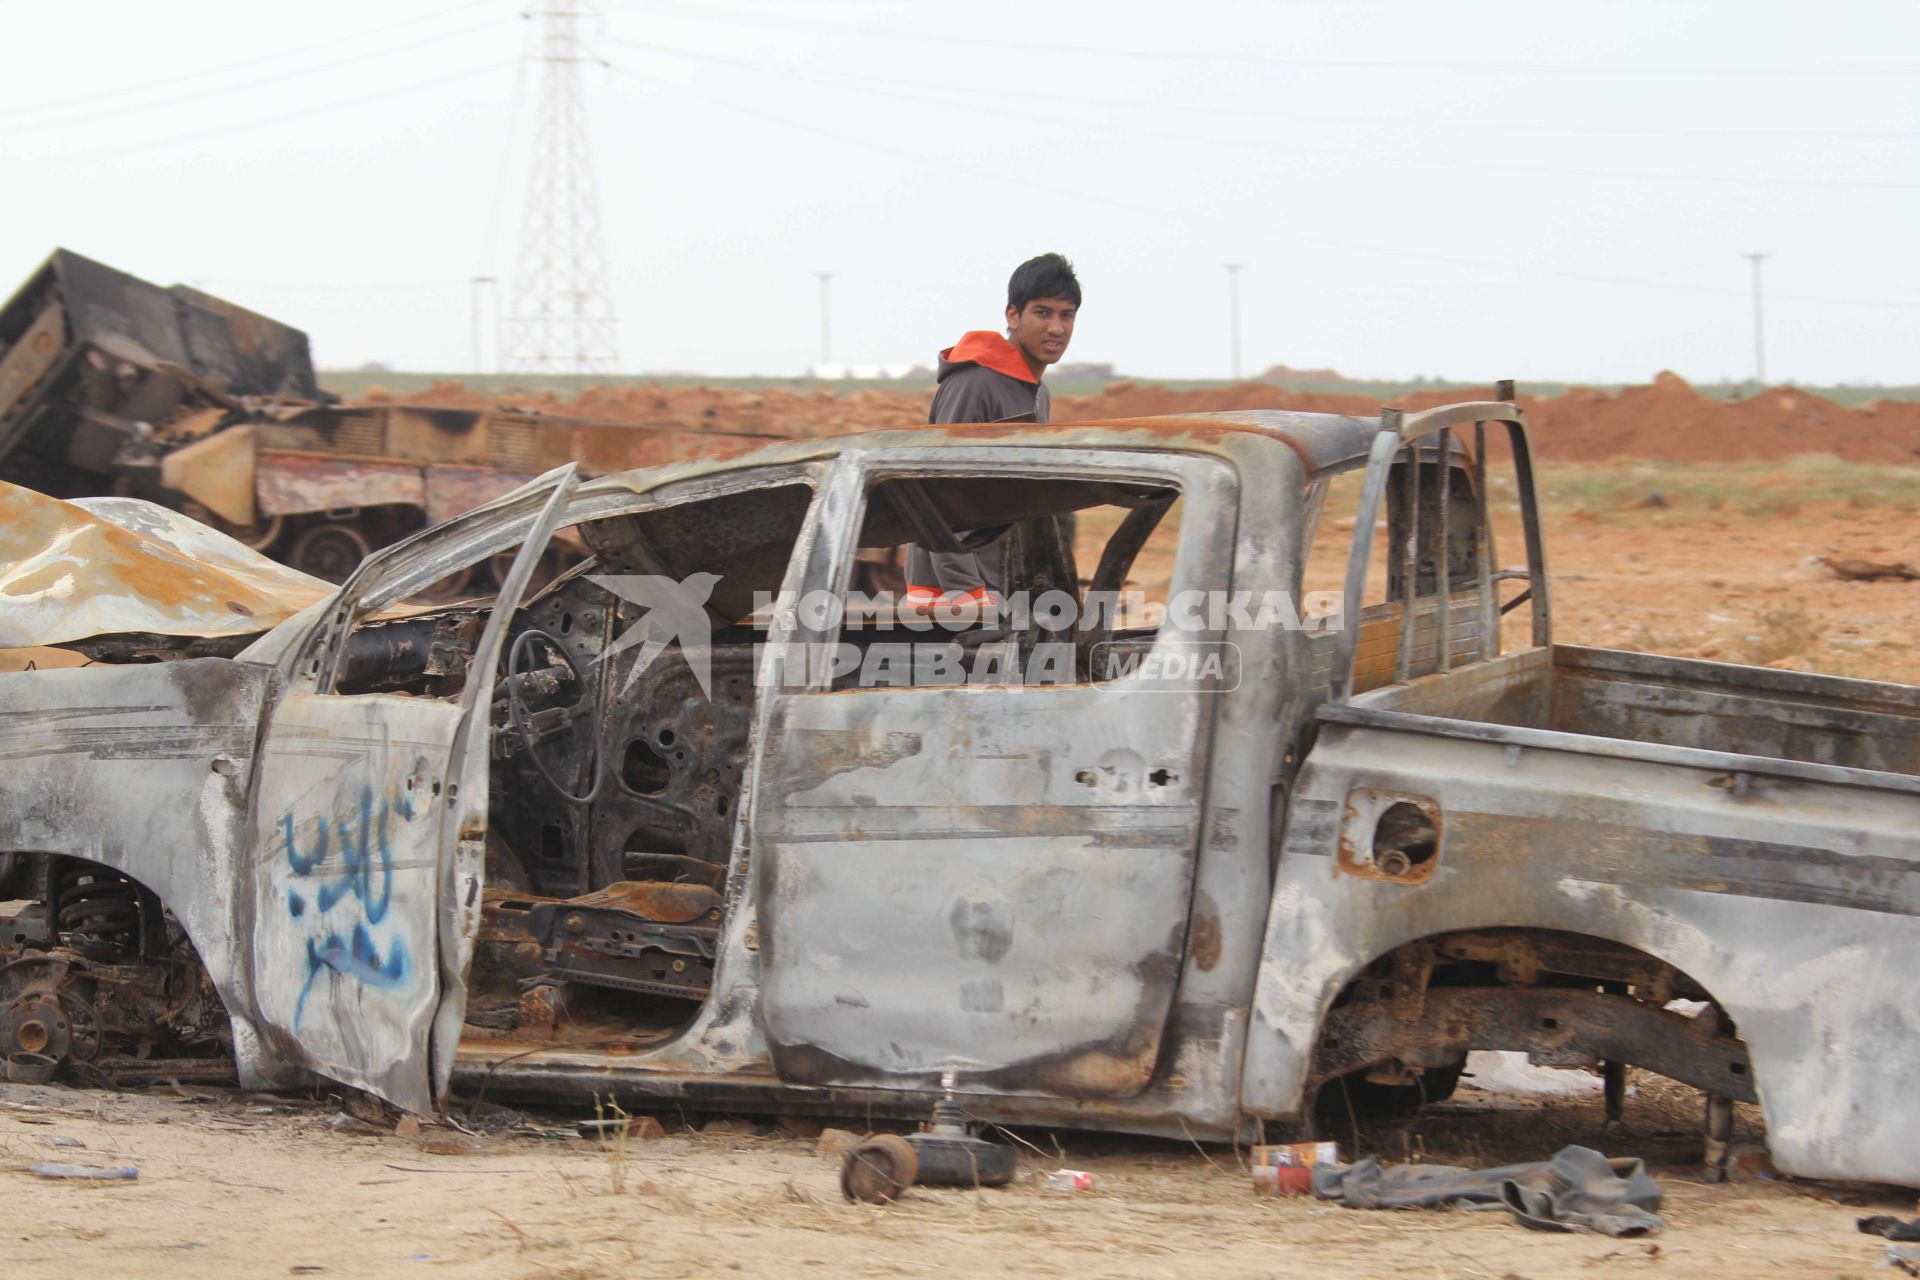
1048,276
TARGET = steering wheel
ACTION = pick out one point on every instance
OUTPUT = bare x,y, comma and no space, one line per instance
533,728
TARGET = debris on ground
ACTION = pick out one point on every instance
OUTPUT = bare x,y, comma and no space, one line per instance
85,1173
1903,1241
1287,1169
1579,1188
879,1168
835,1143
1854,569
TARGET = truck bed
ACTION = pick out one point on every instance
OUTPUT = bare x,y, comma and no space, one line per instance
1708,711
1756,830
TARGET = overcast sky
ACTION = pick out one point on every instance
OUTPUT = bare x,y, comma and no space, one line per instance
1468,189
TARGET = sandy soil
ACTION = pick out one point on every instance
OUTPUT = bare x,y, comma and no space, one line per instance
239,1186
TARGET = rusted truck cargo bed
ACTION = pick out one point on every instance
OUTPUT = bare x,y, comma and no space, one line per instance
1839,730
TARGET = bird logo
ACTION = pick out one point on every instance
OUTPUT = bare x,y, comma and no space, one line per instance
676,610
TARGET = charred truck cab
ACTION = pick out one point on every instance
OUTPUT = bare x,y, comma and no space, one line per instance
694,825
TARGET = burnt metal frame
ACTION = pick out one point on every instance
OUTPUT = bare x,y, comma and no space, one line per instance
1400,432
1554,1026
1011,462
396,572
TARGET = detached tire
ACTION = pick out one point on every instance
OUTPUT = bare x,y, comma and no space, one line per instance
879,1168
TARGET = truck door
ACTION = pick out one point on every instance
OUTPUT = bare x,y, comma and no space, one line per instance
984,878
367,838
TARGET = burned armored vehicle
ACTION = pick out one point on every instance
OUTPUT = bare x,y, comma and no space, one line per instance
113,386
691,827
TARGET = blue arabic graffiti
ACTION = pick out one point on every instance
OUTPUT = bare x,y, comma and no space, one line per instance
363,880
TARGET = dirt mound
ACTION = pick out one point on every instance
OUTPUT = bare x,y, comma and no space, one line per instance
1665,420
1670,420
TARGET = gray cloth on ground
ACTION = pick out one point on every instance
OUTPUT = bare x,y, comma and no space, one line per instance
1578,1188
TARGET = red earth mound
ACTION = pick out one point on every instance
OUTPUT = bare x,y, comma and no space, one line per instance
1667,420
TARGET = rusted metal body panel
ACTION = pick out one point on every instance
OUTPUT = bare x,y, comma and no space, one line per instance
100,372
297,483
147,770
446,461
28,359
102,566
451,490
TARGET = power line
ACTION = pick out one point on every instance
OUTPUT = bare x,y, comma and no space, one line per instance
345,290
951,161
204,135
946,36
970,96
1344,153
359,39
143,108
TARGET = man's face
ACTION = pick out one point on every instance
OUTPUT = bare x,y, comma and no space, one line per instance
1042,329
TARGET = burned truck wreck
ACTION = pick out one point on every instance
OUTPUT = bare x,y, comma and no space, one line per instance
691,826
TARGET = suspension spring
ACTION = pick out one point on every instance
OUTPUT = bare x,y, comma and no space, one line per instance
97,904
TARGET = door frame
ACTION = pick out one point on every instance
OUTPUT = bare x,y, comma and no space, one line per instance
1204,560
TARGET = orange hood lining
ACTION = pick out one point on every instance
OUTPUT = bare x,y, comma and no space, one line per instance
990,351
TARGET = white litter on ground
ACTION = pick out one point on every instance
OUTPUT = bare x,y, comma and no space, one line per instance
1508,1072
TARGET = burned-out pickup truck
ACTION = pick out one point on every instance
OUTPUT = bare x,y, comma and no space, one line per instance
1145,849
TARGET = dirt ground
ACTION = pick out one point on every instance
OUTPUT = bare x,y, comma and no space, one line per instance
234,1185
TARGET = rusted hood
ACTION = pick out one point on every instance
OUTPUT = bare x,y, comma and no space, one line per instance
107,566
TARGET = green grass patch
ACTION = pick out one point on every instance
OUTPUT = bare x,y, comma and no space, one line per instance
1681,492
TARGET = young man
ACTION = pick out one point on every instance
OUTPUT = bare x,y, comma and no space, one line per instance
988,378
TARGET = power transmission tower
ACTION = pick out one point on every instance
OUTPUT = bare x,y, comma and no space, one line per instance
562,319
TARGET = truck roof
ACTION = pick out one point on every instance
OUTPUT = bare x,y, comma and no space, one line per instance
1323,442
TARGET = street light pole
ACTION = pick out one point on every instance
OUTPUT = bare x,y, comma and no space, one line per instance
1233,310
473,314
1759,321
825,347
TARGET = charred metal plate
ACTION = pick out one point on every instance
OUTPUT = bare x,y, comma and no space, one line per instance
293,483
679,761
28,360
987,881
1554,1027
589,940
